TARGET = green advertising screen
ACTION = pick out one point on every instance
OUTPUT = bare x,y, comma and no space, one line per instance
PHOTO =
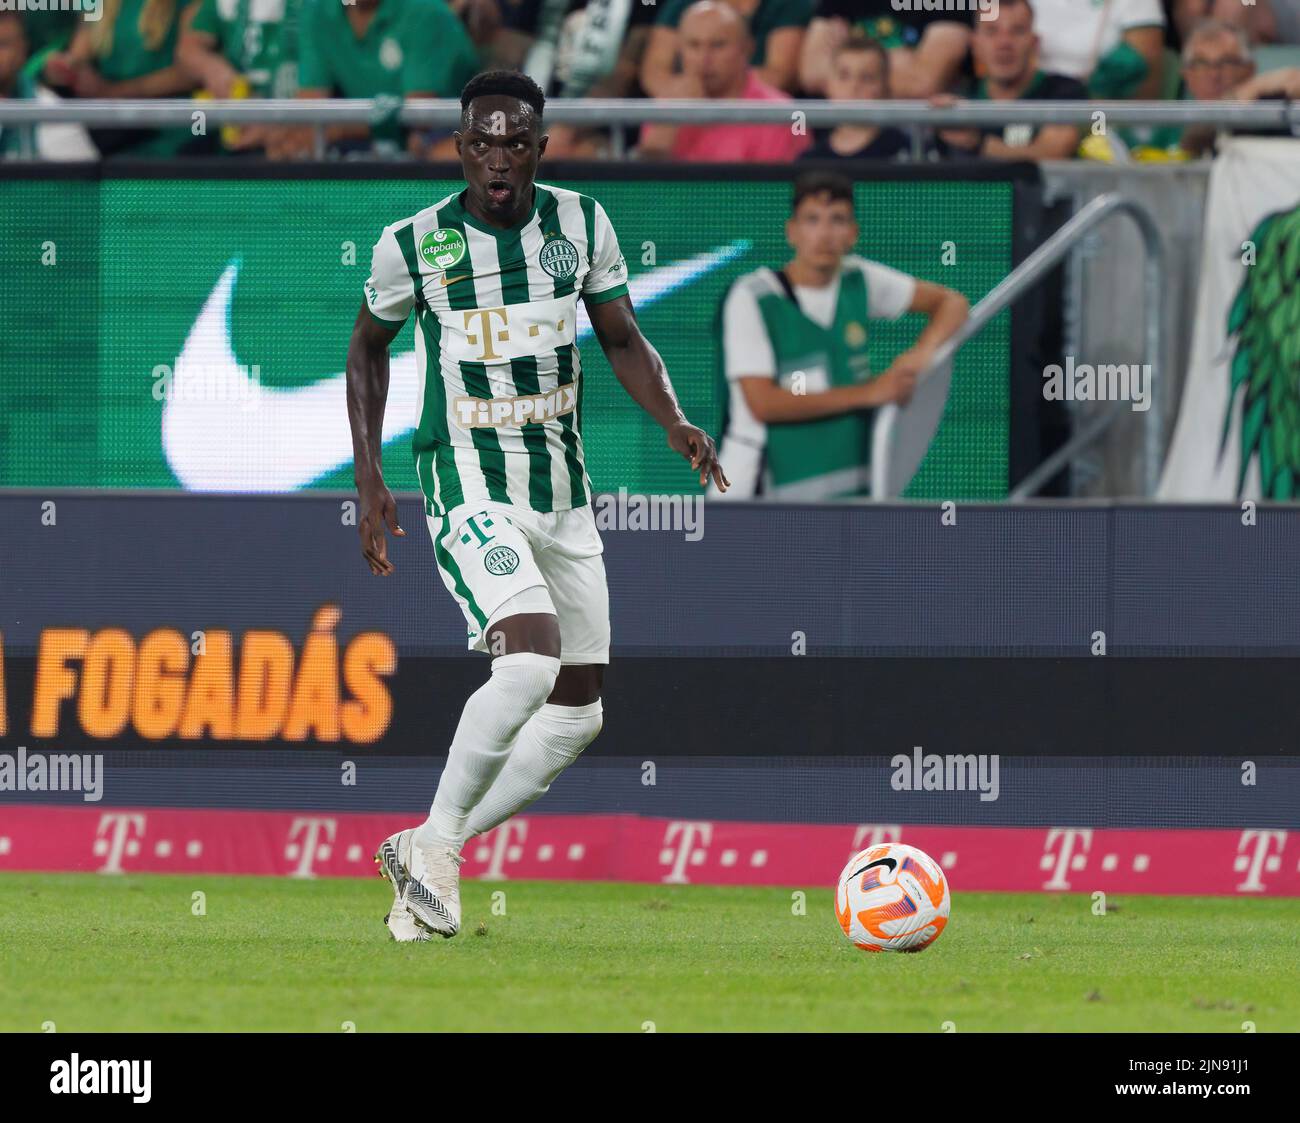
251,286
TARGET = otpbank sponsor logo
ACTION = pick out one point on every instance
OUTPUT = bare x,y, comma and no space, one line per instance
211,684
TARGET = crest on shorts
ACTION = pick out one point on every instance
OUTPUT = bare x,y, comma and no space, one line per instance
501,561
559,257
442,248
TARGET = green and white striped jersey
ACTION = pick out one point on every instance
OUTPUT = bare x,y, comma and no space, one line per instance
500,379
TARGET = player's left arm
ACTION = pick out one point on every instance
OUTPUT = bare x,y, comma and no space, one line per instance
946,310
637,365
640,368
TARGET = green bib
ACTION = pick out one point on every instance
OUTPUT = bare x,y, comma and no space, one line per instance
829,457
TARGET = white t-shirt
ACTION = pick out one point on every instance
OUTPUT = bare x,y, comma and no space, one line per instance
746,346
65,140
1074,34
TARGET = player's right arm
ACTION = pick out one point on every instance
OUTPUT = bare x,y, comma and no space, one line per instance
389,297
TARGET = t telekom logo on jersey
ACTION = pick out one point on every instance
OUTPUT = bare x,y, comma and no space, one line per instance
477,413
485,327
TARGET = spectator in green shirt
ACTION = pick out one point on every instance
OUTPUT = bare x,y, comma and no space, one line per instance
240,49
1005,51
403,49
46,140
223,41
128,53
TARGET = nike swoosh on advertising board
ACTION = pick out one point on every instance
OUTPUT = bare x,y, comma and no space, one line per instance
223,431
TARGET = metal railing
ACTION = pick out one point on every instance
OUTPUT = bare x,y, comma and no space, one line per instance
1029,272
445,112
615,113
1032,269
1155,347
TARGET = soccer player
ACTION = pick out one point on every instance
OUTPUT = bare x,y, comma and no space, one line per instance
494,274
795,353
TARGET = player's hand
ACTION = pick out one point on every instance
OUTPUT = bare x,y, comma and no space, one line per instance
697,446
378,510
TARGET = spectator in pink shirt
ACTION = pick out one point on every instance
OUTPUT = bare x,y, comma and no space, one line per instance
716,47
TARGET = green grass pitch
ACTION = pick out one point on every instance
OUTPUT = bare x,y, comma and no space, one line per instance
88,952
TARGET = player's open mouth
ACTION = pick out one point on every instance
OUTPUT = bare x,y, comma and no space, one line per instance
499,191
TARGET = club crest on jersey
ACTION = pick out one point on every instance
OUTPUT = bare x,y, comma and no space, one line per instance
500,561
559,257
442,249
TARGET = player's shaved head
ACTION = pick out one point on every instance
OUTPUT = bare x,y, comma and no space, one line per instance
715,44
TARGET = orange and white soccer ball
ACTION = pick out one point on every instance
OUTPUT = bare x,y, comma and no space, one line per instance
892,897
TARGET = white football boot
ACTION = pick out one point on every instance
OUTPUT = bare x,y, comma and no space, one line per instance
402,927
400,923
426,881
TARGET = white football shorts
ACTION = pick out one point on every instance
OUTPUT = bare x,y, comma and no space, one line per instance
498,561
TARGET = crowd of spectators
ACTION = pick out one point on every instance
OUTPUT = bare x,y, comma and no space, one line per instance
768,50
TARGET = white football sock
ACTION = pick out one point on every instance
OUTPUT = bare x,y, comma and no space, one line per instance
490,723
546,746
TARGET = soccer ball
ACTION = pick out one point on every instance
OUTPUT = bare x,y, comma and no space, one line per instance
892,897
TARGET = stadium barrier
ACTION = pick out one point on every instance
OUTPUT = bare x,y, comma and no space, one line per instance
445,112
663,851
618,114
1075,630
261,697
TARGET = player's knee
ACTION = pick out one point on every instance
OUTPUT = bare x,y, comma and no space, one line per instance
582,731
526,679
570,729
